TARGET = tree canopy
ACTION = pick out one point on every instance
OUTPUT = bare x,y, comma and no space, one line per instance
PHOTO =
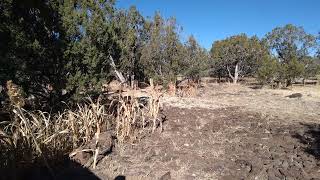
290,42
53,47
291,45
59,50
237,55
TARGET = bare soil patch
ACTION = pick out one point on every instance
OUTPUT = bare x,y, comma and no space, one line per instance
228,132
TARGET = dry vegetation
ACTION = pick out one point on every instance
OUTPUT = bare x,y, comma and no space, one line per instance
228,132
36,137
209,134
55,54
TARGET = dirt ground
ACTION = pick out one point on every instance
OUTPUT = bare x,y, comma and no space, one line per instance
227,132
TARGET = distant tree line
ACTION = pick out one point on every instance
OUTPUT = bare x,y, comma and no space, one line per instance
284,54
61,49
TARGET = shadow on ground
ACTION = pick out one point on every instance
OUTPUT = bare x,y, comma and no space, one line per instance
68,170
310,137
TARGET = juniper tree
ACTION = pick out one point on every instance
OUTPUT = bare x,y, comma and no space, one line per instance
195,61
237,55
291,45
32,43
92,39
131,33
161,54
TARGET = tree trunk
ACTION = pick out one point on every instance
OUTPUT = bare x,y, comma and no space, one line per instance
236,73
132,81
289,83
118,73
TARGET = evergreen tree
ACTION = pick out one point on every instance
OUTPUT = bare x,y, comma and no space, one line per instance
196,59
291,45
161,55
92,39
237,56
32,43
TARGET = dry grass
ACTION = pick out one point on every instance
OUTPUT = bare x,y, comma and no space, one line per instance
190,90
40,136
134,114
32,137
265,101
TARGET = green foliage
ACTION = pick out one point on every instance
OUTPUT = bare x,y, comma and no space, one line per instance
162,55
91,34
131,33
31,47
293,69
311,66
49,46
268,70
67,45
272,70
240,51
290,42
291,45
195,61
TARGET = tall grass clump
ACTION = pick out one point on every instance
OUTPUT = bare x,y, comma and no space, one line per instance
37,137
136,115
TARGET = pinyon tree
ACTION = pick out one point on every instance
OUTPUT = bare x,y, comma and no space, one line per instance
291,45
237,56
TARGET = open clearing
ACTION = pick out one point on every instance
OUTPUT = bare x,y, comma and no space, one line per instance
228,132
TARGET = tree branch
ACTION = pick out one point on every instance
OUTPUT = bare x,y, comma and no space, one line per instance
119,74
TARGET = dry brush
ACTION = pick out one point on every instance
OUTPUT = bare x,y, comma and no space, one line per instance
36,136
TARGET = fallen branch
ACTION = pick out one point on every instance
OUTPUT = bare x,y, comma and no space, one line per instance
118,73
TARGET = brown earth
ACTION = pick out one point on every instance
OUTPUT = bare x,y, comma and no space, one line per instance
227,132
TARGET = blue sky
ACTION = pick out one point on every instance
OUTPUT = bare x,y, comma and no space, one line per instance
210,20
